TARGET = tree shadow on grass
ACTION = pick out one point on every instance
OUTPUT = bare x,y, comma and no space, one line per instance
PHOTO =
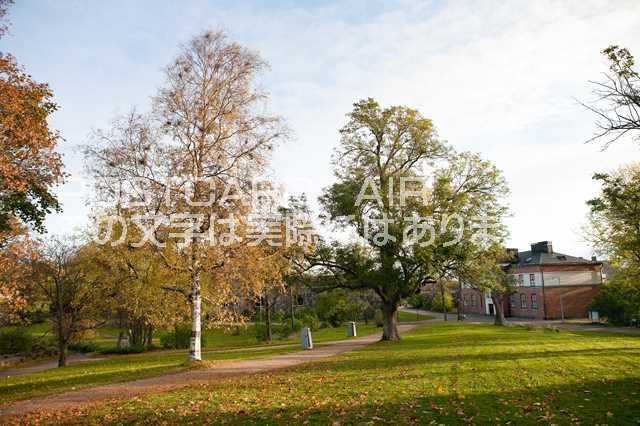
591,402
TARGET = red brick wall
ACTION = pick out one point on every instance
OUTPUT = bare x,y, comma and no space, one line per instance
575,300
479,308
515,310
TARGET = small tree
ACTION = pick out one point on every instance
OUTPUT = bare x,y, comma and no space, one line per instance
63,279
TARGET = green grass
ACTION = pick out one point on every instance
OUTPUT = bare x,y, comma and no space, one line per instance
440,374
408,317
119,368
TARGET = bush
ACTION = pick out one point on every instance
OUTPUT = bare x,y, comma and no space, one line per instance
84,347
15,340
332,307
308,318
136,349
618,301
419,301
180,338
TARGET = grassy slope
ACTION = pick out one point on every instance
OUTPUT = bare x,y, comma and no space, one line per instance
451,374
119,368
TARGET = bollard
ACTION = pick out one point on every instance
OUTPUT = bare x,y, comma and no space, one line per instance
351,329
305,337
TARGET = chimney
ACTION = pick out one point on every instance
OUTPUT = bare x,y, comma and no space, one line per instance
542,247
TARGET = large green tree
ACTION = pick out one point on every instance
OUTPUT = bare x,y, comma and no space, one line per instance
614,231
412,201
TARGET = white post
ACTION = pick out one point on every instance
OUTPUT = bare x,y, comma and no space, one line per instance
351,329
307,341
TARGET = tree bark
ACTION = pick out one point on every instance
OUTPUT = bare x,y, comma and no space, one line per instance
390,321
444,302
293,317
149,336
62,353
268,318
497,304
460,314
195,351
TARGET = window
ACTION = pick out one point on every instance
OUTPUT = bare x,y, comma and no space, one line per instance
473,300
520,280
523,301
532,280
466,301
534,301
512,301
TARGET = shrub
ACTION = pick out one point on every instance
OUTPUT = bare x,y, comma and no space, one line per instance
135,349
308,318
419,301
15,340
180,338
84,347
618,301
332,307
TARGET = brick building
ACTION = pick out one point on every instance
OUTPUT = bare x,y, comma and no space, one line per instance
548,285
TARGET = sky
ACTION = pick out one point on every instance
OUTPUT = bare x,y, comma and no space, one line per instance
502,79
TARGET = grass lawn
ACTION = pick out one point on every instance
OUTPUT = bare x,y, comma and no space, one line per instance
440,374
119,368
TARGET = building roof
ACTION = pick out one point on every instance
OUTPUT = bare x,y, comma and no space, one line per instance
527,258
542,253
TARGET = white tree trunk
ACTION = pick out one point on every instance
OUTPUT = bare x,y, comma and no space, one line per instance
195,352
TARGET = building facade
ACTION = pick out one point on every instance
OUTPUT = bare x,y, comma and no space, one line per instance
548,285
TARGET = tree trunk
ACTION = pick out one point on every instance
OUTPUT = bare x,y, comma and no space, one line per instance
268,318
149,336
62,353
390,321
497,304
293,317
195,352
444,302
460,314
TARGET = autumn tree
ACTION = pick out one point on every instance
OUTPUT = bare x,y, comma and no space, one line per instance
195,158
410,228
617,104
63,278
132,281
29,169
29,164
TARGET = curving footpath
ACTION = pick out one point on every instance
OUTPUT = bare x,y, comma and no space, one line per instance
127,390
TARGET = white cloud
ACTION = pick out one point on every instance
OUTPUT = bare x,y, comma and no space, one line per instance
498,78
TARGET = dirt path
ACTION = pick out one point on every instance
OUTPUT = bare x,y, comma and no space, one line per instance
45,365
126,390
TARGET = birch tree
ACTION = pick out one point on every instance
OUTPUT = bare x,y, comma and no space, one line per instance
191,164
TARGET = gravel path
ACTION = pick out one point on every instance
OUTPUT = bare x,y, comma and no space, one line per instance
127,390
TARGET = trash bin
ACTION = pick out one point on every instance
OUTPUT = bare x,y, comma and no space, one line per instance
305,337
351,329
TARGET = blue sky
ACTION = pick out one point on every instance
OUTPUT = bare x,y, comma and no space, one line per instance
498,78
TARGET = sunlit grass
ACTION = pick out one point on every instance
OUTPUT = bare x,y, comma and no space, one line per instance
445,374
